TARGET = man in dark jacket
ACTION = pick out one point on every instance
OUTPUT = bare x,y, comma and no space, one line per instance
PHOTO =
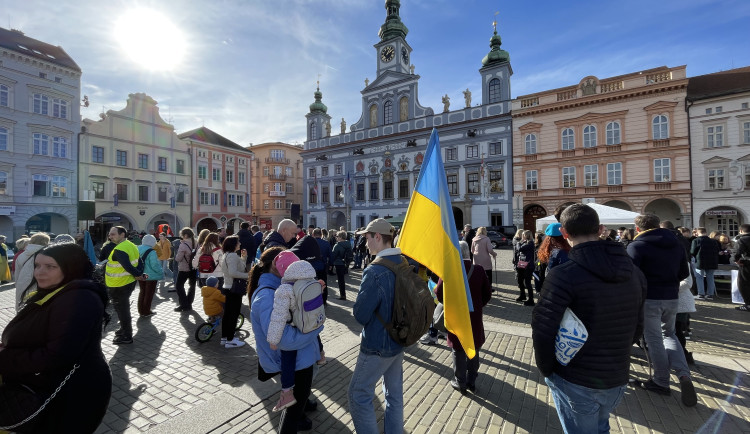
600,284
705,250
325,258
247,242
743,251
257,234
661,257
282,236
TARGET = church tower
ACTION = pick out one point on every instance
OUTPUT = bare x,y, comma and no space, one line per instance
318,121
496,72
393,53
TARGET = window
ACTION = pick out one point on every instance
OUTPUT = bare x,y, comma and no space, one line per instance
661,127
266,187
241,178
276,186
216,174
289,188
338,193
324,194
313,131
496,181
472,151
232,199
310,172
143,193
202,172
452,184
614,173
142,161
241,161
568,139
122,158
388,112
3,139
715,179
265,170
728,225
403,188
745,105
180,166
661,170
589,136
277,154
58,79
360,191
277,204
289,172
472,183
530,142
339,169
181,196
162,164
122,191
494,88
591,175
715,136
42,75
97,154
41,104
288,204
240,200
267,203
709,111
41,144
162,194
230,176
719,109
496,148
451,154
59,108
229,159
41,185
568,177
531,180
216,156
374,191
746,132
215,198
387,189
204,198
59,186
613,133
324,171
60,147
4,95
98,188
3,183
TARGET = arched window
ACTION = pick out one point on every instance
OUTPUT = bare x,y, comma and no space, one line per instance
494,89
568,139
373,116
660,127
3,139
589,136
613,133
530,142
313,131
388,112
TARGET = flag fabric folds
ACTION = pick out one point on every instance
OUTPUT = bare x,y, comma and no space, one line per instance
429,237
88,247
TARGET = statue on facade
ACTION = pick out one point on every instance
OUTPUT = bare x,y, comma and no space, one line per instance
736,176
328,128
411,68
343,126
467,97
446,103
367,82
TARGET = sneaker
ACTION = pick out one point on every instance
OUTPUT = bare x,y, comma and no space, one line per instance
456,386
653,387
122,340
322,360
223,341
709,298
699,297
427,339
286,399
234,343
689,398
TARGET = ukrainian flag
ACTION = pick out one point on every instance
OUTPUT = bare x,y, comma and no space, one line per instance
429,237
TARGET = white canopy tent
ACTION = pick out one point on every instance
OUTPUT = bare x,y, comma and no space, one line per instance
608,216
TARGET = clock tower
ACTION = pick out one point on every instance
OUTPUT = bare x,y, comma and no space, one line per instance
393,53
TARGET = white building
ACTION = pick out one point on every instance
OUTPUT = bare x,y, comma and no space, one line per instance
719,112
39,118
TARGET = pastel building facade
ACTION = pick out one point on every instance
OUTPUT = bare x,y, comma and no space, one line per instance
277,183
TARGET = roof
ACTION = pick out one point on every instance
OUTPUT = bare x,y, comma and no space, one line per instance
15,40
719,83
608,215
205,135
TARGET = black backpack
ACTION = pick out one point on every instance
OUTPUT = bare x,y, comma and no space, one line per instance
413,306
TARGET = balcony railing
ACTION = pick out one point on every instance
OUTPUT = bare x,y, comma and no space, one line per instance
277,193
569,191
592,190
590,151
614,189
659,186
532,193
529,102
658,77
611,86
568,94
613,148
277,176
663,143
531,157
279,160
568,154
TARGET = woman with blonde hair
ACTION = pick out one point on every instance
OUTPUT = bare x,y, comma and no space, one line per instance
725,246
481,248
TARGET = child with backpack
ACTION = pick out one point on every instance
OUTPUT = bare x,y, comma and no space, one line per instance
299,300
208,260
213,299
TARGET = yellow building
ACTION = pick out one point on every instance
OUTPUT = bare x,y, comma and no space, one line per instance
276,186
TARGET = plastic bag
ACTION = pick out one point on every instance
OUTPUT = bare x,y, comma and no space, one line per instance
570,337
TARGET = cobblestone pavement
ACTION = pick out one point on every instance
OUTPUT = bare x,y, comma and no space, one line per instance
168,382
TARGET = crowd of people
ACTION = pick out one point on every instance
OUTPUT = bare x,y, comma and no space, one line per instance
625,287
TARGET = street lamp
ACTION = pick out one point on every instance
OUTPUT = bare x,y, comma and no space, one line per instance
342,196
173,190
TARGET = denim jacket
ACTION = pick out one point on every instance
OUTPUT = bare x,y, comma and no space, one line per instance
376,295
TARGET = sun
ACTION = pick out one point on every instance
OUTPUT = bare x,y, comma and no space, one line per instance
150,39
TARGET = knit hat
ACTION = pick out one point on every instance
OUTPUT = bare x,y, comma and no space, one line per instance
298,270
63,238
212,281
283,260
149,240
553,230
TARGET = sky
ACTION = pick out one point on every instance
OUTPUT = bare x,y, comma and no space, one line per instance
247,69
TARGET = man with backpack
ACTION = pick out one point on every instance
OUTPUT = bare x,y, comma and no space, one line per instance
379,354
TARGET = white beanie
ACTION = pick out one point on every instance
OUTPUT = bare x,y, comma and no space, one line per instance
149,240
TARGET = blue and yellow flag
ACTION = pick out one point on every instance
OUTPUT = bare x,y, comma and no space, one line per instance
429,237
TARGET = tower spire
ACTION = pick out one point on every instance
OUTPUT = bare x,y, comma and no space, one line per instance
496,55
393,27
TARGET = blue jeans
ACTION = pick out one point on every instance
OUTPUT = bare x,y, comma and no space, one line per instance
582,409
664,350
369,369
709,275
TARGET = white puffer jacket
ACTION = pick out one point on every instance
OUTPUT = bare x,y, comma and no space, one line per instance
25,270
685,300
283,299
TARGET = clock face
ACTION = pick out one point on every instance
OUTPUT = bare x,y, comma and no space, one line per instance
387,53
404,56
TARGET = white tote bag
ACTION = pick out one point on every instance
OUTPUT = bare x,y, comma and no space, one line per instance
570,337
736,296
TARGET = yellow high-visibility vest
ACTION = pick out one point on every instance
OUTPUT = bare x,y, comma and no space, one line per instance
115,275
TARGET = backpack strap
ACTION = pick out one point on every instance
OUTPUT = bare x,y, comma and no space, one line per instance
471,271
146,253
392,268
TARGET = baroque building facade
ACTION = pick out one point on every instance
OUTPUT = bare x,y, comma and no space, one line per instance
220,179
719,111
370,170
277,183
619,141
135,168
39,119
